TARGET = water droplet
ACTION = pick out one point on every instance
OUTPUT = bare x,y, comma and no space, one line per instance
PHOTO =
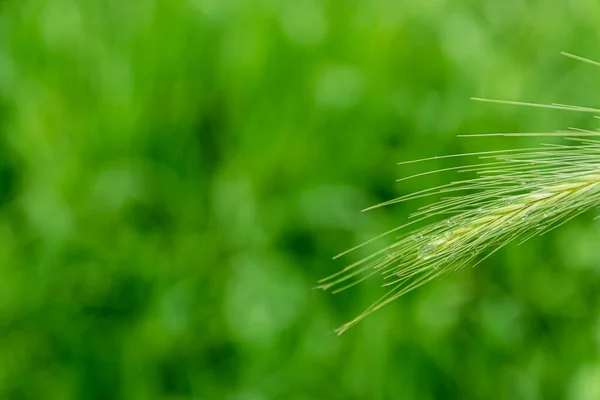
417,237
428,250
425,252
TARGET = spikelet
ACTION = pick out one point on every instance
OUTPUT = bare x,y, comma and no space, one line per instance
515,195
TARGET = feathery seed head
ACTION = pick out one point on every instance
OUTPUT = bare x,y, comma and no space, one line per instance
515,195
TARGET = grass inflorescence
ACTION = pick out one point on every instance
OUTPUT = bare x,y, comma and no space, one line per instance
512,195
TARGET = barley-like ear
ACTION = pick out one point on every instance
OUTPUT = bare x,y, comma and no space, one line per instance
514,195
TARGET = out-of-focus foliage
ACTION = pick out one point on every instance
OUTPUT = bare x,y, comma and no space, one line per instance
175,176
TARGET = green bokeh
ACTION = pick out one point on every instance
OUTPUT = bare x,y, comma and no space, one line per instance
175,176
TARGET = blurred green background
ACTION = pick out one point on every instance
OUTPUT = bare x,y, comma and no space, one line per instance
175,176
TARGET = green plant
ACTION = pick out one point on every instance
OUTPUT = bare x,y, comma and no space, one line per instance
515,195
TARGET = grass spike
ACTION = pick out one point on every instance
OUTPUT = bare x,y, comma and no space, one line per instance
515,195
